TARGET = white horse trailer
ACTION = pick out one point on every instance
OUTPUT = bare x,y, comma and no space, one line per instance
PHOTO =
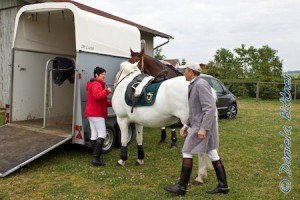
42,115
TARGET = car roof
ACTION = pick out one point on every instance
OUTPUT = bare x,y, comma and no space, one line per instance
206,75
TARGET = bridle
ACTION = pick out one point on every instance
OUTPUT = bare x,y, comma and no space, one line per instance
142,63
116,81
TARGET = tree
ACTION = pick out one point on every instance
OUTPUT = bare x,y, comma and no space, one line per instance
250,62
269,63
158,55
244,58
225,65
212,69
259,63
183,62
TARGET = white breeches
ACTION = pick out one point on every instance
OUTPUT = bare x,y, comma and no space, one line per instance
98,128
212,155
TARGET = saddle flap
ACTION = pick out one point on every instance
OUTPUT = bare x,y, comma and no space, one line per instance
141,91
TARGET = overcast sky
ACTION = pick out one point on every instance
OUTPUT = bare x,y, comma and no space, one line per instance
200,27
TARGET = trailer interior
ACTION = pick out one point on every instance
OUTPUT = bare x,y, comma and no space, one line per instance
41,111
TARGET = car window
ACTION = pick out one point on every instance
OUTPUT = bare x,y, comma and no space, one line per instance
217,86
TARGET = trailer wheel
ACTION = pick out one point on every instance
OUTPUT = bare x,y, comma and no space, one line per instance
109,140
131,130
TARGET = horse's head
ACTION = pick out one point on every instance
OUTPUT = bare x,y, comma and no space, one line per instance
136,56
127,67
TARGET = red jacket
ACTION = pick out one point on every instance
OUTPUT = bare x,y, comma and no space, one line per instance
96,103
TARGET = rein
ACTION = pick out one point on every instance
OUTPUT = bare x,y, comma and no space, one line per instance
117,79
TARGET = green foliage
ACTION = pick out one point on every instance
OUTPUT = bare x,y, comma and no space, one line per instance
158,54
239,90
269,91
2,118
246,63
226,64
269,88
212,69
183,61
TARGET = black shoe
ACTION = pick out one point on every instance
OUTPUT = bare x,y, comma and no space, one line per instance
98,162
219,189
176,189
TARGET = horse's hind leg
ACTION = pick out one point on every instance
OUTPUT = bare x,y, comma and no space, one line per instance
139,139
163,136
174,137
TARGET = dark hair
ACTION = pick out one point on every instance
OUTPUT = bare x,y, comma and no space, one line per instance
196,73
98,70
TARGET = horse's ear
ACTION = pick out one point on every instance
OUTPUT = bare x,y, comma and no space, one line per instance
131,52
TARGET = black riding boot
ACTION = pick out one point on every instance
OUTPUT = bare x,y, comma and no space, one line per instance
221,176
97,152
181,187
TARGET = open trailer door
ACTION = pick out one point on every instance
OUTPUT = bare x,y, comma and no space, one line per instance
42,114
21,145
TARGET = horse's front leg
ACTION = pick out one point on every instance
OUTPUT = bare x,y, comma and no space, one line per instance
139,139
124,141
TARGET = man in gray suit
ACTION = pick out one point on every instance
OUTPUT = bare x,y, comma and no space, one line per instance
200,132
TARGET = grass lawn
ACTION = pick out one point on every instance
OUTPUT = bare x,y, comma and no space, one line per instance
250,146
2,117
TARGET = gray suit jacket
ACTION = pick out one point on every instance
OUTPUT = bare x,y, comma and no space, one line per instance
202,109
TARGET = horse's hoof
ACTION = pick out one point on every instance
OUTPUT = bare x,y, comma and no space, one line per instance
199,180
161,142
139,162
173,145
121,163
197,183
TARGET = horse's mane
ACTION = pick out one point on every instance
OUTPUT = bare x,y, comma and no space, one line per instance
158,62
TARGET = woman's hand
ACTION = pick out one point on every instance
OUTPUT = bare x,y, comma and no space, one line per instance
183,131
108,89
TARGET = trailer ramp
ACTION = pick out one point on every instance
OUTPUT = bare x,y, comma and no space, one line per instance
20,145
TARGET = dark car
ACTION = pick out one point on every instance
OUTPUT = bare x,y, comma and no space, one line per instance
226,103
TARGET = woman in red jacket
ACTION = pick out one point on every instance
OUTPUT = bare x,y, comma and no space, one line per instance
96,112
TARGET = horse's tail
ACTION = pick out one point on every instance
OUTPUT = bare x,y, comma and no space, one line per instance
217,124
216,113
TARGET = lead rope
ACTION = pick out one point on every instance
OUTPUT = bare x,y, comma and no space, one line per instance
142,70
